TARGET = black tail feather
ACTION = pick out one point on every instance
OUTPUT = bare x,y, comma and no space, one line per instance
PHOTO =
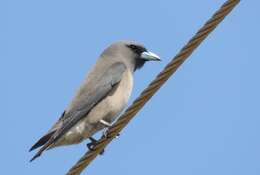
35,156
41,142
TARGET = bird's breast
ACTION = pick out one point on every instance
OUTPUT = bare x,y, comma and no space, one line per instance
117,100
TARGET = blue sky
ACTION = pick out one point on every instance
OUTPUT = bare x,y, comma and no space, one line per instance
205,120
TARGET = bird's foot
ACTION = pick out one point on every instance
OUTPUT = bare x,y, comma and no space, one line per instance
92,144
105,123
105,133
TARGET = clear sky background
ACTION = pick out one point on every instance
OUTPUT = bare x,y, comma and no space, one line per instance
204,121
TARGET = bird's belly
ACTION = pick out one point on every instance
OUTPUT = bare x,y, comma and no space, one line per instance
75,135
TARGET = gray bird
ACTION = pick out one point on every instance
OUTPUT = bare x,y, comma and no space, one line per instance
101,98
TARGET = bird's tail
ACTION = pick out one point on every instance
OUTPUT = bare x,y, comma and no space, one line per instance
42,141
35,156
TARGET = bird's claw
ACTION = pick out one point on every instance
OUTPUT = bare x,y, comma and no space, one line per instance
92,144
105,133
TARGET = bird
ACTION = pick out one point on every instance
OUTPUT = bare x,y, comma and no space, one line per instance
102,96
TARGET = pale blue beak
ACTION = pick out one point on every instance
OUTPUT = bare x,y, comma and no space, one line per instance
149,56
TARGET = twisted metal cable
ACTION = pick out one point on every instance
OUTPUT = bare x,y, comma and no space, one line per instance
154,86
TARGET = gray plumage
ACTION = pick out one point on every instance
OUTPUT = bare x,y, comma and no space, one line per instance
102,96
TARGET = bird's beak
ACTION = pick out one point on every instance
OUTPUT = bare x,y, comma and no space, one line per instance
149,56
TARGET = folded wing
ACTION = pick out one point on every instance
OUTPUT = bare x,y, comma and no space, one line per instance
98,91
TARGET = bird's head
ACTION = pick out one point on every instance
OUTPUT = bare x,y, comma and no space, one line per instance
134,53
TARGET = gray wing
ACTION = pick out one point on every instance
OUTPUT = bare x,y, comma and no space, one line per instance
95,94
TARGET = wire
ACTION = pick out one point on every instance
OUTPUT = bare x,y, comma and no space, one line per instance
154,86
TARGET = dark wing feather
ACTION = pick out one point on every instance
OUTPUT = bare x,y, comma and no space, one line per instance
100,90
42,141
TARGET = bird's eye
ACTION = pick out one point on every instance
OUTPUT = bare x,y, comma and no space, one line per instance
137,49
133,46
